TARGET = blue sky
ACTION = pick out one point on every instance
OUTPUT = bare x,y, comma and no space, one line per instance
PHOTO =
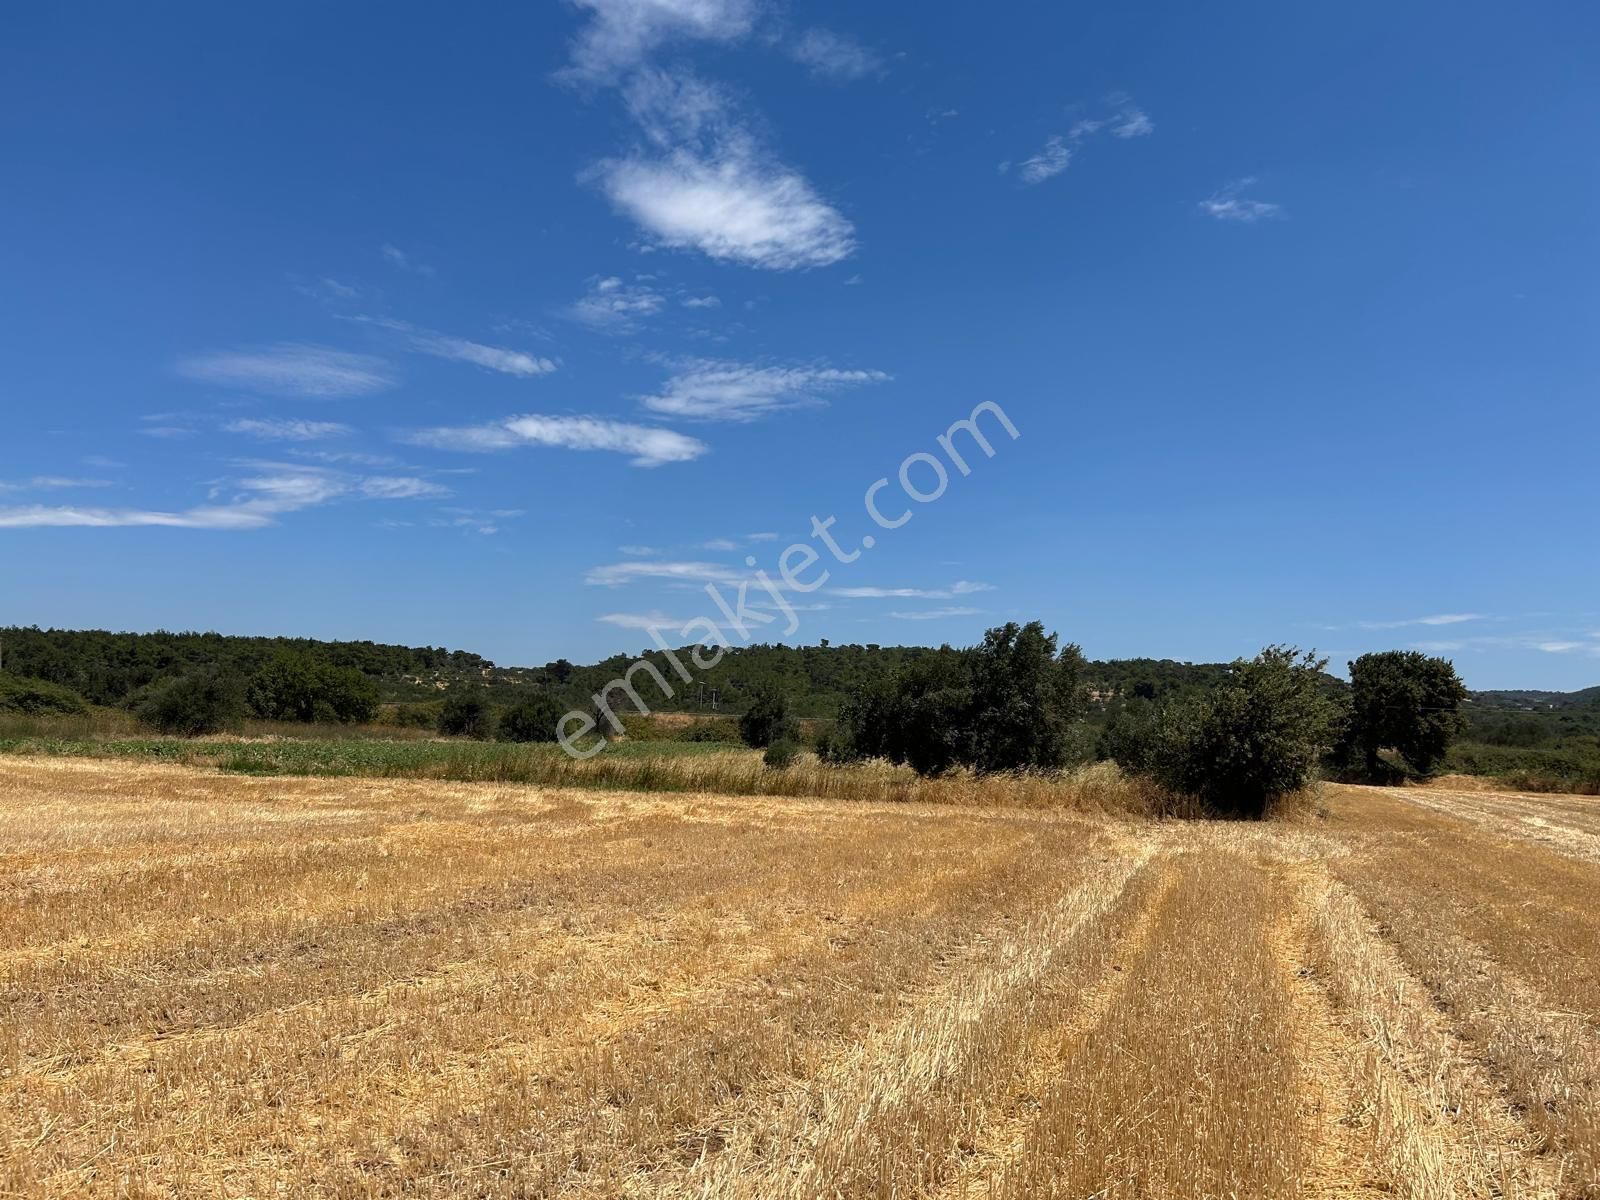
512,329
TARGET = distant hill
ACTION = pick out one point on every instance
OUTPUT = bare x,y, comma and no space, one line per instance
1532,701
1534,720
109,668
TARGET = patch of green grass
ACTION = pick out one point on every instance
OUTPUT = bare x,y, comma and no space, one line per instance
460,761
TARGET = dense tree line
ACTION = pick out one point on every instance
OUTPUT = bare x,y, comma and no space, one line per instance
110,668
1234,736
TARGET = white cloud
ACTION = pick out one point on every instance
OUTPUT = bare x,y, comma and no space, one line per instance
476,520
38,516
355,458
291,369
833,55
646,621
1130,120
1046,164
649,446
708,185
733,205
392,487
615,305
50,483
702,302
935,614
459,349
621,33
1561,647
723,544
772,537
257,501
638,551
273,429
712,390
961,587
617,574
1125,120
329,291
493,358
1437,619
397,257
1228,204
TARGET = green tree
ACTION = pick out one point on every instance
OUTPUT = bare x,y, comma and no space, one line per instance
766,719
1025,698
466,714
193,705
296,687
1007,704
1244,746
346,695
285,689
532,720
1405,701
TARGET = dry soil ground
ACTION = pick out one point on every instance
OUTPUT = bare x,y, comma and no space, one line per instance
227,986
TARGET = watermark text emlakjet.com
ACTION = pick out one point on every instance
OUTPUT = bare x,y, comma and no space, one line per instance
923,477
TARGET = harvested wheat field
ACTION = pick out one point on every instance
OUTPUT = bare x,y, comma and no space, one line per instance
227,986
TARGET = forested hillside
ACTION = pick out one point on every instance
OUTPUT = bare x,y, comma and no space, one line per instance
109,668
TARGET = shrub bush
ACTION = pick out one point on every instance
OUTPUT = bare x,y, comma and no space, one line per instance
833,745
781,753
37,697
531,720
193,706
1240,749
466,715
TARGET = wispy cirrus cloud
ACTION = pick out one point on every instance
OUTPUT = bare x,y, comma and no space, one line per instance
716,390
645,621
617,574
649,446
935,614
617,306
833,56
622,33
459,349
252,502
403,260
51,483
286,430
1436,619
1229,203
400,487
1047,163
961,587
291,369
1121,119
